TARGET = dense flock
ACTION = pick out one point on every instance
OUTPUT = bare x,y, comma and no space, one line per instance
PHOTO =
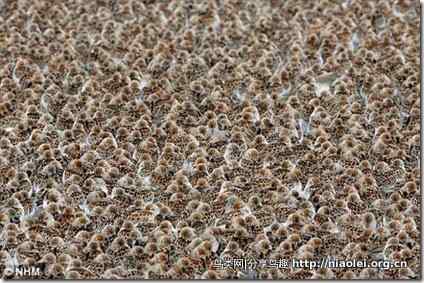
150,139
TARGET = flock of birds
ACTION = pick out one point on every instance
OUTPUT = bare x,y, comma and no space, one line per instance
150,139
